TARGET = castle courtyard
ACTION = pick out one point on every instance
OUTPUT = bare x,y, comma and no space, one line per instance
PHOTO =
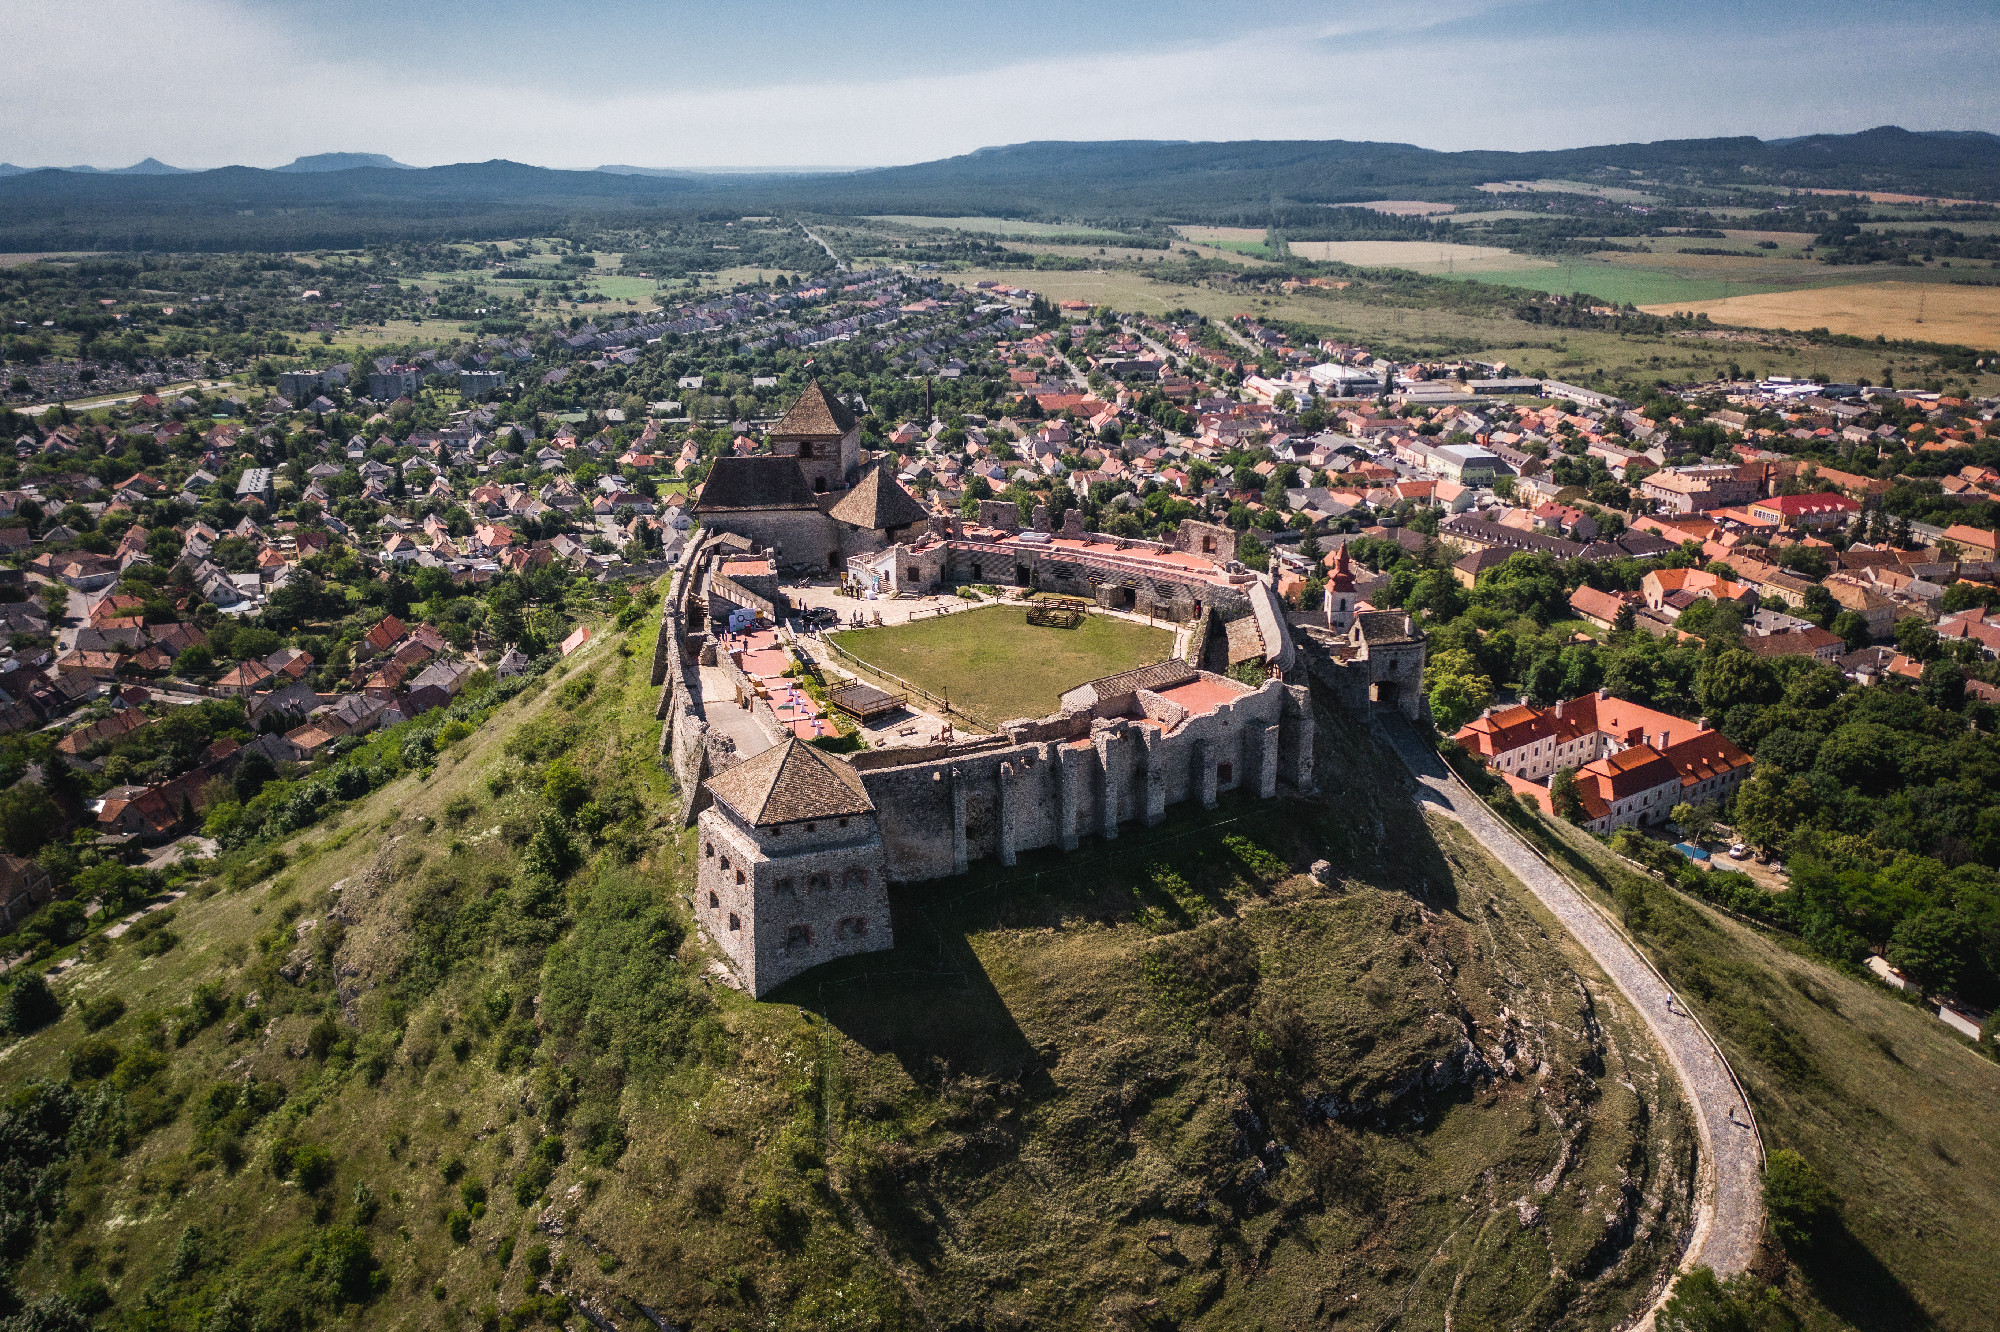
995,666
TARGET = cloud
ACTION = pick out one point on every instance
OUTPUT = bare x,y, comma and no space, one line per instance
209,82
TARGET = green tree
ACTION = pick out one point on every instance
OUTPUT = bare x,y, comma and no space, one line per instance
1852,626
1438,594
28,818
1944,685
1701,1303
1456,689
1765,811
1916,640
1798,1202
1696,822
1934,948
1728,678
1563,797
565,787
29,1005
1819,605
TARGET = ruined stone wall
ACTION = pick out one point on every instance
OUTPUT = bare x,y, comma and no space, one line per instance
726,594
1078,575
1002,514
1356,680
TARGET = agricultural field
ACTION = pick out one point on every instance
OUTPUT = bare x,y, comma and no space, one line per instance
1405,207
999,226
1415,331
1618,283
1617,192
1238,244
16,258
1434,258
997,666
1107,253
1224,235
1928,311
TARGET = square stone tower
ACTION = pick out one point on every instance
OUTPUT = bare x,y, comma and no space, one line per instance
792,872
823,435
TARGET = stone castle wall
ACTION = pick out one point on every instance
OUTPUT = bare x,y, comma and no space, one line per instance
1092,777
1044,782
802,538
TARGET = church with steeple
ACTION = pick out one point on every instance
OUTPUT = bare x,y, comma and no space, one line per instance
809,497
1341,599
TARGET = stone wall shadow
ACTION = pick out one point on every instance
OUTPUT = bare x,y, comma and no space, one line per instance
927,1002
1857,1287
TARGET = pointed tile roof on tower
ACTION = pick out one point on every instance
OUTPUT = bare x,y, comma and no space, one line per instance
877,502
816,413
1342,579
791,783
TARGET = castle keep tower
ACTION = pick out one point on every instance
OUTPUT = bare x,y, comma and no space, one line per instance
791,866
823,435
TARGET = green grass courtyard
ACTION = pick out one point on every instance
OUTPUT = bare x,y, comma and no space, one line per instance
996,666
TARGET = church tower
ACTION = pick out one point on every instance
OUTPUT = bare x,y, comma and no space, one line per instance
1340,598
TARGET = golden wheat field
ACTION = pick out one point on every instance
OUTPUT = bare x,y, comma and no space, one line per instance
1926,311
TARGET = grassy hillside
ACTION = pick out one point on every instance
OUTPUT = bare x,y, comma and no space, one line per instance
1889,1106
455,1062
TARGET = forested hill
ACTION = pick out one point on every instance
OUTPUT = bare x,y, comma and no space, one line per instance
1196,181
1256,182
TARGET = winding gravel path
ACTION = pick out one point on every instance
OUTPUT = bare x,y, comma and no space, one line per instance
1729,1212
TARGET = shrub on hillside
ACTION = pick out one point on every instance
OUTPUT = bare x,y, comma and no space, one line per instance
1801,1206
29,1005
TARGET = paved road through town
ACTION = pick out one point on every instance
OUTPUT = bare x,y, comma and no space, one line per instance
1729,1214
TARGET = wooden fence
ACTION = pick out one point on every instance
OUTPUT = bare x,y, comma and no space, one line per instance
945,705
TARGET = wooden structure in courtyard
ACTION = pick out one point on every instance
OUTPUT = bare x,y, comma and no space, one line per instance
863,702
1058,612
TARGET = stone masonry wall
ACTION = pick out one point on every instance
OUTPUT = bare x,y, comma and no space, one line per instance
803,538
780,905
939,815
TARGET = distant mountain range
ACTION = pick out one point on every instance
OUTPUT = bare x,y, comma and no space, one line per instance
152,166
693,172
345,162
341,199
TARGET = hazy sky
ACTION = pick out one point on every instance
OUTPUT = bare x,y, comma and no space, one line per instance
577,83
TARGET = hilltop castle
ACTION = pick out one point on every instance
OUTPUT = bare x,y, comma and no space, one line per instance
798,846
